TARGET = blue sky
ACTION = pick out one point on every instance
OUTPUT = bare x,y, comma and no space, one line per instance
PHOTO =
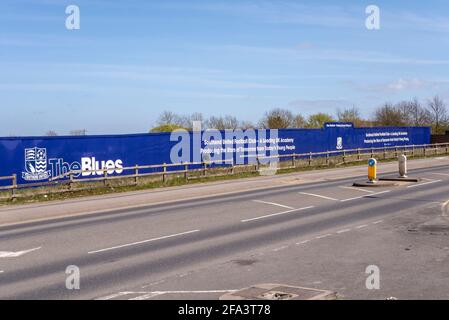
133,59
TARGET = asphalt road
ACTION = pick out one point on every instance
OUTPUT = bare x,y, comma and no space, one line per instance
319,235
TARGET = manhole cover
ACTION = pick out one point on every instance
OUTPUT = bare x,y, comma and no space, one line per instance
279,292
276,295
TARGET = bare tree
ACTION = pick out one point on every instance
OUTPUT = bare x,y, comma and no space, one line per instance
389,115
223,123
350,115
245,125
438,114
300,121
277,119
51,133
169,118
186,121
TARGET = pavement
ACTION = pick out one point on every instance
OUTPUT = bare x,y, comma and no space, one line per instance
316,232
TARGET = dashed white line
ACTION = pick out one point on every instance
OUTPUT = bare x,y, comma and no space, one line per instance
324,236
1,271
358,189
343,231
12,254
361,226
143,241
280,248
146,296
303,242
370,195
377,222
424,184
277,214
318,196
116,295
274,204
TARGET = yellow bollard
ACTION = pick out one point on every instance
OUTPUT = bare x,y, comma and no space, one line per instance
372,170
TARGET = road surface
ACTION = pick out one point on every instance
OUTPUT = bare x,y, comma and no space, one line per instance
320,235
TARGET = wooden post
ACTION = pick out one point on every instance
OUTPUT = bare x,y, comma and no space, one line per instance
358,153
327,158
70,180
396,152
413,151
105,177
293,161
14,186
424,151
136,173
344,156
310,159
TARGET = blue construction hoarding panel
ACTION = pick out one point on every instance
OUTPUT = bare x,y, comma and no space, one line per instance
37,159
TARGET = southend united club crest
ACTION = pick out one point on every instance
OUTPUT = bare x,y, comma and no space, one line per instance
35,164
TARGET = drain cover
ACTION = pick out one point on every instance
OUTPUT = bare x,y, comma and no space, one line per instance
277,295
279,292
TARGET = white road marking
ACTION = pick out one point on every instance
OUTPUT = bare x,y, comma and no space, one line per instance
343,231
361,226
116,295
303,242
11,254
318,196
143,295
358,189
424,184
274,204
1,271
146,296
377,222
324,236
440,174
277,214
149,295
143,241
280,248
361,197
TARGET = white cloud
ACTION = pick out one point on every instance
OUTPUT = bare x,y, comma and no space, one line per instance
401,85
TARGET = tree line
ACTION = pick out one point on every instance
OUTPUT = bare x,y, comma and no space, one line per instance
432,113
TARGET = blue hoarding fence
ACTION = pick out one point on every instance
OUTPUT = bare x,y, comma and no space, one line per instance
186,169
37,160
